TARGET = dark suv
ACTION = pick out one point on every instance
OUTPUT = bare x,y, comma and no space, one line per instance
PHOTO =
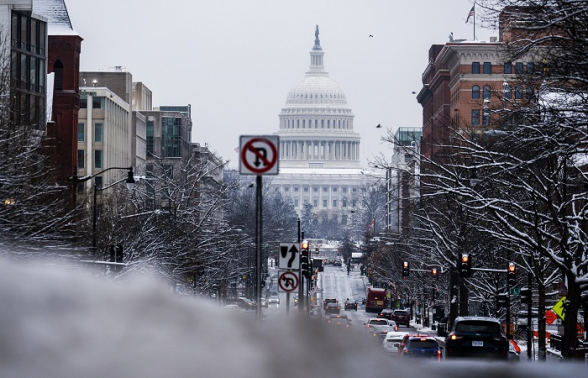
327,301
478,337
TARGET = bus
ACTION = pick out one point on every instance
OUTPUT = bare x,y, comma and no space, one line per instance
376,299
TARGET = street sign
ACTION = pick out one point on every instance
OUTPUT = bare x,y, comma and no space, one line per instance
288,281
559,309
550,317
289,258
259,155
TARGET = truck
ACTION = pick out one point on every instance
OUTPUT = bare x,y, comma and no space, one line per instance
376,299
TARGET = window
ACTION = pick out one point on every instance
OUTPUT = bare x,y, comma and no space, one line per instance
81,132
507,68
530,68
334,203
507,92
286,188
325,203
530,93
475,116
518,68
354,190
475,92
97,102
315,203
334,189
487,92
98,159
344,203
344,190
315,189
325,189
83,103
519,92
295,203
81,159
295,188
353,203
98,132
475,67
306,189
487,68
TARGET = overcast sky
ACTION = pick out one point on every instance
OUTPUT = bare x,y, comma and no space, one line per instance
235,61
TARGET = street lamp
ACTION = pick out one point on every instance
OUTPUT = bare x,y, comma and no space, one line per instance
130,181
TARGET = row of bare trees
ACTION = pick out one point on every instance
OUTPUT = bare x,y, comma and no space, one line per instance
516,191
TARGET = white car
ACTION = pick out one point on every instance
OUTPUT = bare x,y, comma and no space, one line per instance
371,322
391,343
273,298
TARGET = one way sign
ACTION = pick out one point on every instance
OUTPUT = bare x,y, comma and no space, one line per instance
289,257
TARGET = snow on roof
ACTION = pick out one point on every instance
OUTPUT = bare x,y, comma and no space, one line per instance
55,12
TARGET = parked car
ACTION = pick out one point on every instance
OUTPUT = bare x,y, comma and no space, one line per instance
391,343
476,337
421,347
332,308
246,303
401,317
350,304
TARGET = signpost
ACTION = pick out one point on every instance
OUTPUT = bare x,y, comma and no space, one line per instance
258,156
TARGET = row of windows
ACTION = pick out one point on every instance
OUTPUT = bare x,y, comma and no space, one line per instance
316,189
519,92
97,102
98,159
98,132
519,68
325,203
336,124
318,96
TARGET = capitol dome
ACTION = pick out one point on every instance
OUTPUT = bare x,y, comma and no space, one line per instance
316,124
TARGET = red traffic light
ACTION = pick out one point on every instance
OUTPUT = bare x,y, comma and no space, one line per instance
304,244
511,267
434,272
405,264
464,258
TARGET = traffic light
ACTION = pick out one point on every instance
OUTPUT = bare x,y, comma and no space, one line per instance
405,269
316,250
465,265
503,300
304,260
512,274
526,295
434,273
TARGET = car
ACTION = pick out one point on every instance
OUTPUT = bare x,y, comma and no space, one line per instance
333,308
476,337
274,298
264,302
350,304
391,342
421,347
246,303
386,313
404,340
327,301
339,320
381,331
295,300
371,322
401,317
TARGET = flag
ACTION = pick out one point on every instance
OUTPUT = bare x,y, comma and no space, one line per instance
472,13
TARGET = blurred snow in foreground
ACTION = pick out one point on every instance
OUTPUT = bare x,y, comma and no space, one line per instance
57,322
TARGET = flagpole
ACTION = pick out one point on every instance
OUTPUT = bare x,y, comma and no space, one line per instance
474,20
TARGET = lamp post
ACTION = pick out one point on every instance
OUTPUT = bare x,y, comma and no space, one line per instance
130,181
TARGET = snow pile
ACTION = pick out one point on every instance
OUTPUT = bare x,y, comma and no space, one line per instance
57,322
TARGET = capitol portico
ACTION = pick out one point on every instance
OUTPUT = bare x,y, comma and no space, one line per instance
319,151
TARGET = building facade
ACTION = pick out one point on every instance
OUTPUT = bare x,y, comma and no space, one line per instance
319,149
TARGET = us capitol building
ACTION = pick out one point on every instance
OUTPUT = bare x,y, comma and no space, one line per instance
319,151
